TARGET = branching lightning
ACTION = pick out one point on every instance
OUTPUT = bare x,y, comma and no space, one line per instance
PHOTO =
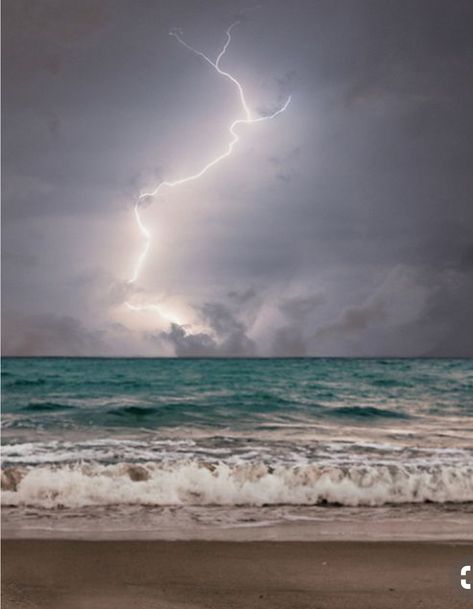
246,119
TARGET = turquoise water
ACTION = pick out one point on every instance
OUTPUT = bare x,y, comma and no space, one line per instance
234,434
90,394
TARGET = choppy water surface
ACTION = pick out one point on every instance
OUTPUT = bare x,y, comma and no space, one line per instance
226,443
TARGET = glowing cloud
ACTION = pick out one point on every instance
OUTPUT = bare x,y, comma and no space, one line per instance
246,119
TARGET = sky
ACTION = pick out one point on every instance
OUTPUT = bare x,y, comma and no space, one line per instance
342,227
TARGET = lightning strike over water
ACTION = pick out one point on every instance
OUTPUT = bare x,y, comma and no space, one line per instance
246,119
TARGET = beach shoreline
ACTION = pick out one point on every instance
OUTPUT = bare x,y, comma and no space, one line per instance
71,574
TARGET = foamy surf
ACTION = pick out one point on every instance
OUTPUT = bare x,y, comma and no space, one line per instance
189,447
225,484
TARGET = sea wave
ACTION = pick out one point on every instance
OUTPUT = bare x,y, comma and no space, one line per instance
233,484
134,411
23,382
366,412
45,407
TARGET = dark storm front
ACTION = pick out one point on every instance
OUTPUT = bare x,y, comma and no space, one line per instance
303,432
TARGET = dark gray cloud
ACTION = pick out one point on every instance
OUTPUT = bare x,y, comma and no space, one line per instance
48,335
228,337
299,308
354,320
344,227
299,314
186,344
448,310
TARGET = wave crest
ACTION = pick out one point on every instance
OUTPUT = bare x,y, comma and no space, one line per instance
220,483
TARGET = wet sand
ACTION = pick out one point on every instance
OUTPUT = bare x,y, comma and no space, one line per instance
71,574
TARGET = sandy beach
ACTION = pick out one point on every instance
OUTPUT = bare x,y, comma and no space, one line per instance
70,574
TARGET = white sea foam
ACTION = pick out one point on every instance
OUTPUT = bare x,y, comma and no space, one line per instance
221,483
152,449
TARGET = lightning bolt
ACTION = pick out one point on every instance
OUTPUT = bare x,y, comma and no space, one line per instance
246,119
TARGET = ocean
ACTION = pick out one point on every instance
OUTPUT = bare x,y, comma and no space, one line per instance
238,448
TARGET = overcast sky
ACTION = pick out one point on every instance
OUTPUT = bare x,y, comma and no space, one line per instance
344,226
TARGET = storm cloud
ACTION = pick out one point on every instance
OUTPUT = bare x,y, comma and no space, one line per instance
48,335
343,227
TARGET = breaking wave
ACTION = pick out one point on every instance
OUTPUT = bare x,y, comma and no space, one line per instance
233,484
